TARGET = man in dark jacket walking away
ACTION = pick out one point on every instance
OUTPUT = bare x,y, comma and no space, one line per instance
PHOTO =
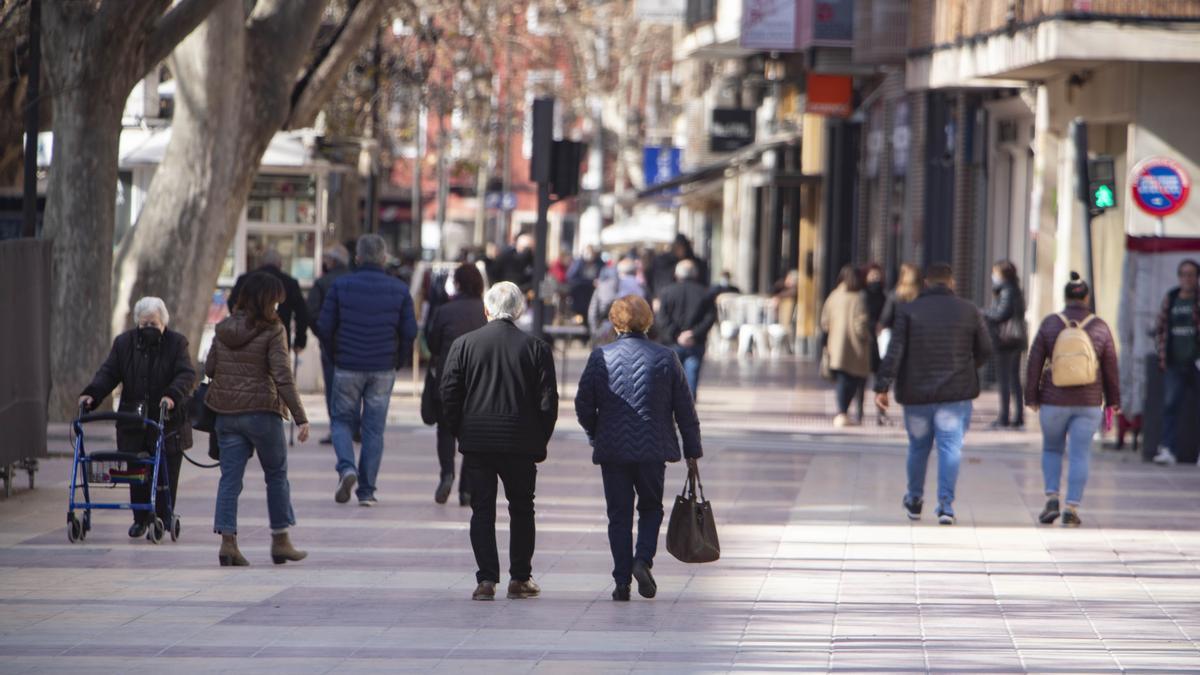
1177,336
662,273
334,264
685,316
368,318
500,400
293,307
939,342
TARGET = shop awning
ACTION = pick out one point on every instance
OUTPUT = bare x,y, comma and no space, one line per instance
750,154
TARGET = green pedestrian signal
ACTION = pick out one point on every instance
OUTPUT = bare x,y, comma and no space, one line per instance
1103,198
1102,184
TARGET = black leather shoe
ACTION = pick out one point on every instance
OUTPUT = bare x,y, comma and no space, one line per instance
328,440
137,530
621,593
647,587
1050,513
443,489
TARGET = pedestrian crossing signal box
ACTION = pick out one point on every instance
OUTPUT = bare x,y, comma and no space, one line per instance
1102,184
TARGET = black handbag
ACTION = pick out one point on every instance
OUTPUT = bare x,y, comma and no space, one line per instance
431,400
203,417
1013,334
692,531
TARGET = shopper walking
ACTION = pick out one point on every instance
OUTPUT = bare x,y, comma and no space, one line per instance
334,263
1177,337
608,291
292,309
1010,338
632,397
907,289
368,318
500,400
451,320
1071,409
152,365
685,317
848,340
939,342
252,392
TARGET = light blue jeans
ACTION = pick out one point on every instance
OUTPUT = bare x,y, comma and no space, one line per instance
943,424
1068,428
692,359
371,392
238,436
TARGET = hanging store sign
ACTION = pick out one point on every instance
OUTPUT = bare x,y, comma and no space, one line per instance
731,129
661,164
660,11
830,95
795,25
1160,186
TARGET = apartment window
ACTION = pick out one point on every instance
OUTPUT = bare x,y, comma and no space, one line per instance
700,11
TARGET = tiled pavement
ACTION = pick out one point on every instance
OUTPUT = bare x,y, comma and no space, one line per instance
820,571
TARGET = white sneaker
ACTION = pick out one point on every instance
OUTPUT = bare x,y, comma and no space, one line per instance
1165,457
841,421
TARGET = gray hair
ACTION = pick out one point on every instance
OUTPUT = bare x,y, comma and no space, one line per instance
627,267
338,254
271,258
504,301
371,250
686,271
151,305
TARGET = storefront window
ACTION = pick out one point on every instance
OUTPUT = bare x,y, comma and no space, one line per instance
283,199
229,267
297,249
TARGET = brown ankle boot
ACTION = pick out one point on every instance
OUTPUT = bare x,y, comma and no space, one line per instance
229,555
283,551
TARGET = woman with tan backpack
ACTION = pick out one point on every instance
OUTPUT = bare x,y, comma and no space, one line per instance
1072,375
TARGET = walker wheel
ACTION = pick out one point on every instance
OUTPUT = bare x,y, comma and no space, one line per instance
155,532
176,528
74,528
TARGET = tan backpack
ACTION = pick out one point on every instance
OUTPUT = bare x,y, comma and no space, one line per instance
1074,362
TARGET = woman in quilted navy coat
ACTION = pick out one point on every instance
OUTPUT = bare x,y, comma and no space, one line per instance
632,397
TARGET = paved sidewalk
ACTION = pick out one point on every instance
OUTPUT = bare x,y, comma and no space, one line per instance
820,570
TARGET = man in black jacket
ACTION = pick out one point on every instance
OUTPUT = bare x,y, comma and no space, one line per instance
293,305
334,263
500,400
686,314
939,342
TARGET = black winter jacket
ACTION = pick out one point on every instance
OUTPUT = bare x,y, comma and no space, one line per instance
316,298
147,374
939,341
450,321
500,392
631,397
292,308
687,305
1008,305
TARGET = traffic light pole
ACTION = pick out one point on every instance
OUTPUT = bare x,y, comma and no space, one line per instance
1080,136
541,232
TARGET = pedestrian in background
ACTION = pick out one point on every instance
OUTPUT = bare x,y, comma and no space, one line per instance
608,291
334,263
152,365
908,288
461,315
368,317
582,278
662,271
292,309
1177,338
939,342
1071,415
847,327
252,391
685,317
1010,338
632,397
500,400
876,298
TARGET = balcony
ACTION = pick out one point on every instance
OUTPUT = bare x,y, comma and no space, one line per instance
951,21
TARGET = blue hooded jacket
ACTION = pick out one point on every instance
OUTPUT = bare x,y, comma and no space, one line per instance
368,319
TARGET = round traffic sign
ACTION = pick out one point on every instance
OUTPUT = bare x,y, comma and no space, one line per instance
1160,186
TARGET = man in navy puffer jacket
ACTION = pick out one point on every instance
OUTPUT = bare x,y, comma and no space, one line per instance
367,319
632,396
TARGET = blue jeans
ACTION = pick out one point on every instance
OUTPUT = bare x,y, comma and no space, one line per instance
370,392
1177,381
1071,429
327,371
238,436
691,358
621,481
944,424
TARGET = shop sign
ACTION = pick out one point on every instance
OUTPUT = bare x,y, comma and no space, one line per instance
1160,186
731,129
794,25
829,95
660,11
661,164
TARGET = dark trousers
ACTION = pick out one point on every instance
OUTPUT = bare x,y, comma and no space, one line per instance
519,475
1008,376
621,482
846,387
447,448
168,477
1177,381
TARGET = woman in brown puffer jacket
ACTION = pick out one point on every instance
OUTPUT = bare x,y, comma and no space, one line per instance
252,391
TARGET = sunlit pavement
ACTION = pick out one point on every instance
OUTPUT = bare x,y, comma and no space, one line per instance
820,570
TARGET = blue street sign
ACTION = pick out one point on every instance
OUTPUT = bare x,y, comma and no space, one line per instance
500,200
661,164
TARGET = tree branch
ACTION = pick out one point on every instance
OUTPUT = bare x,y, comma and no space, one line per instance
173,26
312,92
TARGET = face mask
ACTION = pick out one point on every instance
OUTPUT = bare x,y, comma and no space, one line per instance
997,281
150,336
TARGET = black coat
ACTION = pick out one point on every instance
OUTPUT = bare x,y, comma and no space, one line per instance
939,341
515,266
292,307
687,305
452,320
146,375
1008,306
500,392
662,276
316,298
